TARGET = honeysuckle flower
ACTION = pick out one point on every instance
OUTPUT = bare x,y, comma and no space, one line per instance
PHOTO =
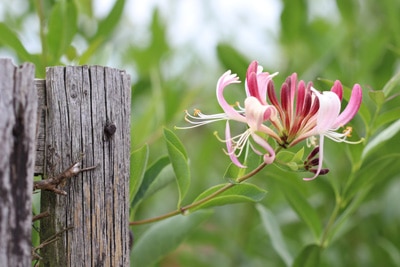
302,113
329,118
253,114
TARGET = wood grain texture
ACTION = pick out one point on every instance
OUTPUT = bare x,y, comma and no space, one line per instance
18,105
40,86
81,102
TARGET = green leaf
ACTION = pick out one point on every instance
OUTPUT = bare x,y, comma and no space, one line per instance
387,117
138,166
293,20
383,136
10,38
109,23
85,7
163,237
391,84
305,211
62,27
174,140
232,59
149,179
308,257
301,206
299,155
289,161
271,226
179,161
377,96
373,172
347,9
236,194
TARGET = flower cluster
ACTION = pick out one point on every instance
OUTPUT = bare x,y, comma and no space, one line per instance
302,113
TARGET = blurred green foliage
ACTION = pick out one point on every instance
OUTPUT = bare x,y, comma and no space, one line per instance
349,217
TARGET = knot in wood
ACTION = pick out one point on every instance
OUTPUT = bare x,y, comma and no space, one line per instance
110,129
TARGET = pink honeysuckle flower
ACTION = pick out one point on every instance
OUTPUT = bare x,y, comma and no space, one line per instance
253,114
302,113
329,118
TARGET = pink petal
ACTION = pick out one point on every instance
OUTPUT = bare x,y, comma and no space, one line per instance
268,158
337,88
229,148
352,107
321,156
251,79
329,109
226,79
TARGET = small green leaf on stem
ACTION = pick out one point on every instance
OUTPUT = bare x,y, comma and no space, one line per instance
378,97
179,161
138,166
236,193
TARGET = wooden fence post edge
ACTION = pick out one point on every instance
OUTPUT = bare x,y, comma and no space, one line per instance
18,106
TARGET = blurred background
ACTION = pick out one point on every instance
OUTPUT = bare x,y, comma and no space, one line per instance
175,51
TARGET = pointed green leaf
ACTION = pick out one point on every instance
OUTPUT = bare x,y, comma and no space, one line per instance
293,19
308,257
347,9
138,166
289,161
149,179
179,161
10,39
232,59
110,22
174,140
163,237
383,136
391,84
377,96
271,226
62,29
304,210
387,117
372,172
299,155
236,194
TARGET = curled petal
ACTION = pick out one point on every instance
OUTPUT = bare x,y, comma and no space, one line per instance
256,114
229,147
329,109
226,79
352,107
268,157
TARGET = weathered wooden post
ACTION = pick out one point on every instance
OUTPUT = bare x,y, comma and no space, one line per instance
87,121
18,105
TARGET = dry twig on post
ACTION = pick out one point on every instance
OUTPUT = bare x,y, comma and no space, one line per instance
51,184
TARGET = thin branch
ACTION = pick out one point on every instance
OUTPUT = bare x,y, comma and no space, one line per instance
51,239
40,216
52,183
201,201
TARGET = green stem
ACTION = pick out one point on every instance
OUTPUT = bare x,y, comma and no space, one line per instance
184,209
332,219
